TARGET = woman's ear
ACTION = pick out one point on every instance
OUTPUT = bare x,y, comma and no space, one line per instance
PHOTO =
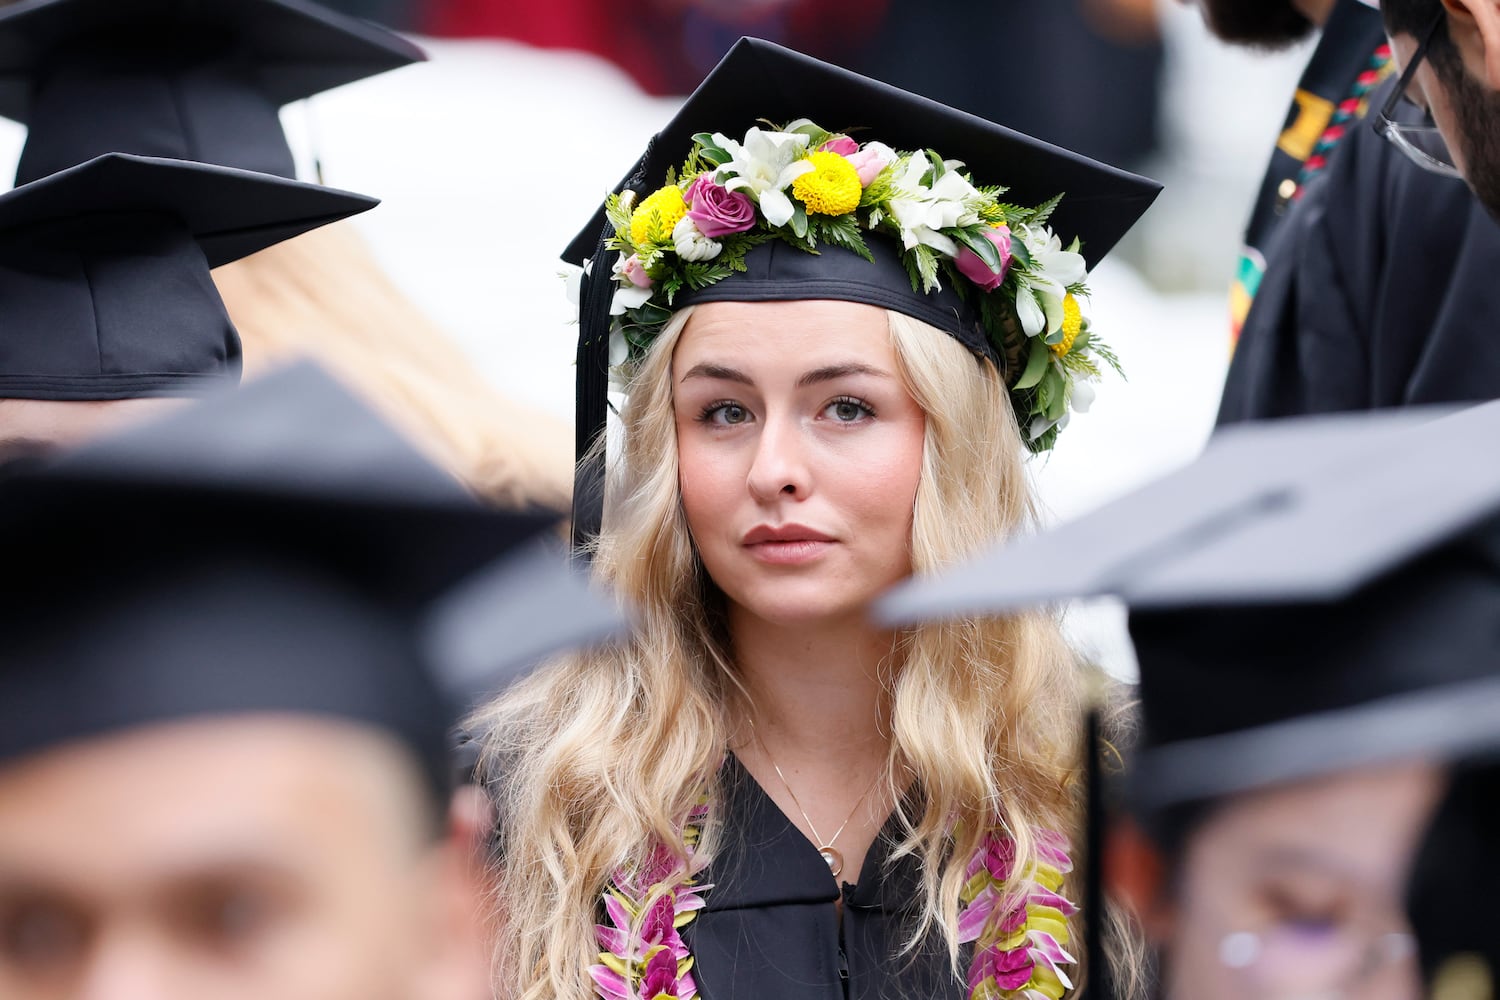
1474,26
1137,875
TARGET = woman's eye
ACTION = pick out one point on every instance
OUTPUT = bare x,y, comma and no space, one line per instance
725,413
41,935
847,410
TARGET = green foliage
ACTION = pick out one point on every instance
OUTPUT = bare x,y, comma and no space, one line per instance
1043,212
708,150
840,231
1036,365
619,219
925,261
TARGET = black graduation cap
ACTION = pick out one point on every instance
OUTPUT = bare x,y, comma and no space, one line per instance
190,79
1308,596
277,548
759,81
104,272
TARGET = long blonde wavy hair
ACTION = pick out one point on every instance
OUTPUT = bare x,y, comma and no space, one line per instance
600,755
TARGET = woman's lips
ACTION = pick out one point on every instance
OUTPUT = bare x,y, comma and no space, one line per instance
789,553
787,544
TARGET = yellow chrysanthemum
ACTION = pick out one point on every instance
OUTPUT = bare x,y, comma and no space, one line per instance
831,187
1071,325
665,206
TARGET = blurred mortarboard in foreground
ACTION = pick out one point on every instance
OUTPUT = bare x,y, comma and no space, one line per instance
275,549
1308,596
759,82
1452,887
104,272
188,80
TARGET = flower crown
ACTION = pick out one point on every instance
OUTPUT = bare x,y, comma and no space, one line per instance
810,188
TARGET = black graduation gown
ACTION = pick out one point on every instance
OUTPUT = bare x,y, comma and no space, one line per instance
770,929
1382,289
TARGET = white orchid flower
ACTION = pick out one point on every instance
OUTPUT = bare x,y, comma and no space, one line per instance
1046,281
627,295
572,278
1082,397
922,210
691,244
1041,425
764,166
619,349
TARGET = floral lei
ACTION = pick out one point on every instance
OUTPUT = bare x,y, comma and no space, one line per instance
1019,938
809,188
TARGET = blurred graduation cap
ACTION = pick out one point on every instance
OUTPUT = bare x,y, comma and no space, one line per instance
275,549
1308,596
104,272
1453,884
185,79
758,81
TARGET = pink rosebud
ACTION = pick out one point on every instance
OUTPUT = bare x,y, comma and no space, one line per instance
842,145
718,211
870,160
633,270
973,267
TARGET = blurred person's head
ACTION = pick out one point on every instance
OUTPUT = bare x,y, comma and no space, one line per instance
40,427
1451,53
1288,891
258,856
225,762
1292,756
1269,24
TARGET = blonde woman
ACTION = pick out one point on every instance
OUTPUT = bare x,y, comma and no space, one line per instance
762,793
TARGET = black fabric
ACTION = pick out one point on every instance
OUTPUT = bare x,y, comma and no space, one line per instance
174,635
145,95
778,272
759,81
769,927
1380,291
1208,675
111,307
273,549
231,213
299,48
104,272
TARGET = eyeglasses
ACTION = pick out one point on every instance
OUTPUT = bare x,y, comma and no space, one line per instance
1290,963
1422,143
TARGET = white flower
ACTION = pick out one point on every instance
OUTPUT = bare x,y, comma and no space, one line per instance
691,244
1081,398
1039,303
573,282
619,349
765,166
627,295
922,210
1041,425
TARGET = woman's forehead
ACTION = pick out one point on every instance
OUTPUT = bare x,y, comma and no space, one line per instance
781,336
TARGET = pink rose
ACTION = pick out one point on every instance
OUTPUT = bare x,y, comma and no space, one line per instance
633,270
973,267
871,160
718,211
842,145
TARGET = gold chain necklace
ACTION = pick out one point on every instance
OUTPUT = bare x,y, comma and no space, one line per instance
830,854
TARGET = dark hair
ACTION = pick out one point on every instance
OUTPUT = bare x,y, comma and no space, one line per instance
1410,17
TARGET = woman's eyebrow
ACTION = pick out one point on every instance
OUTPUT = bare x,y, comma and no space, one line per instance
706,370
833,372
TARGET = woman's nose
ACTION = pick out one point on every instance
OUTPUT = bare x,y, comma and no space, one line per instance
780,467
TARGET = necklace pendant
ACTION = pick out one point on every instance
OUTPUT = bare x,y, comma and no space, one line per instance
834,858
